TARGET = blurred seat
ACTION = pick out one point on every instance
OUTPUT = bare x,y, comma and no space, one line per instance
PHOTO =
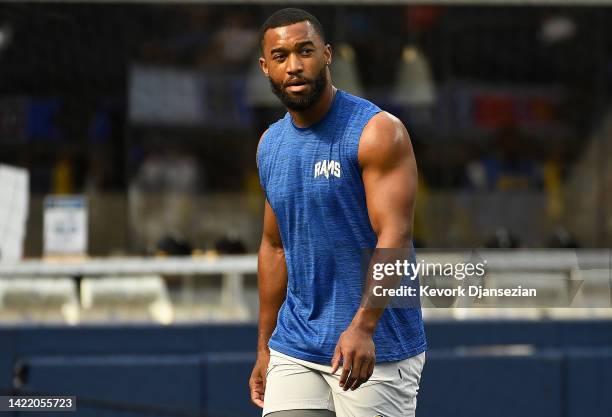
39,300
126,298
212,313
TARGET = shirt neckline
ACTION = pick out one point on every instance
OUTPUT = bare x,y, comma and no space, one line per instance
308,129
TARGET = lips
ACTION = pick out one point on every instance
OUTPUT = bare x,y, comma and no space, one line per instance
295,83
296,86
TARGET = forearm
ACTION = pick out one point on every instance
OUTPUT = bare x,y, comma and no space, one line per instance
372,308
272,282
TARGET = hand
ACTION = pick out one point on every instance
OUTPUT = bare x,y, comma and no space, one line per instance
356,349
257,382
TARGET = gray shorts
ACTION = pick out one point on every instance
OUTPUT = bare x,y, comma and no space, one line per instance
295,384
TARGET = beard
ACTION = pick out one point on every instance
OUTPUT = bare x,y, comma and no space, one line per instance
303,101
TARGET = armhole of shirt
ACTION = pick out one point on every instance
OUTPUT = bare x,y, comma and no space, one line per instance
355,147
260,145
259,160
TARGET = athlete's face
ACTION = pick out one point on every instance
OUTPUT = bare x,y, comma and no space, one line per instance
295,61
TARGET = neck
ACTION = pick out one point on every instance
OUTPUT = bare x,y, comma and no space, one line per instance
315,113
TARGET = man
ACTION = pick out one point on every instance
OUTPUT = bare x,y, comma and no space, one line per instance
339,177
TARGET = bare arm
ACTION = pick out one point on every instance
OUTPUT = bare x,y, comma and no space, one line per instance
272,283
272,278
390,179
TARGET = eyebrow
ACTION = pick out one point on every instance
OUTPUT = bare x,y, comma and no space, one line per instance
299,45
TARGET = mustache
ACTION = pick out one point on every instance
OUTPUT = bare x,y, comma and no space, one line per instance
296,81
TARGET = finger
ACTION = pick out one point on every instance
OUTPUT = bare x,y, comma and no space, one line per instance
363,374
347,361
355,365
336,359
371,369
354,379
257,398
257,393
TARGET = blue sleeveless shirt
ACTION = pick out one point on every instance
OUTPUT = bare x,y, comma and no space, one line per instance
312,180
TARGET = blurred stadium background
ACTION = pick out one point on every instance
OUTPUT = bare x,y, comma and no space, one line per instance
130,208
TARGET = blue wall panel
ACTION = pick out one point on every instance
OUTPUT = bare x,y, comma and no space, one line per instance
589,383
205,368
153,381
526,386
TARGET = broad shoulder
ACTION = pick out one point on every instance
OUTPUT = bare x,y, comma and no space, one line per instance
384,141
272,131
262,136
257,152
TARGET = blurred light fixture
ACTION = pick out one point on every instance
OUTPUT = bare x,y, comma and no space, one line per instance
6,35
344,70
557,29
414,85
258,91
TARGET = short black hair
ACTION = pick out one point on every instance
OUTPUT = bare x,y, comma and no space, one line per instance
289,16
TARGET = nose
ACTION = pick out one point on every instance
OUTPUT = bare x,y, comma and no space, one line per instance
294,64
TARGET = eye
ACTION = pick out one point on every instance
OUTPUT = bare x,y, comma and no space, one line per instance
306,51
278,57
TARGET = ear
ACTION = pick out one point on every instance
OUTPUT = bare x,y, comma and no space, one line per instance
263,65
327,54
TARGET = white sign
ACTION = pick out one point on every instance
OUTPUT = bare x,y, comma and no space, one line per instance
65,225
14,202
